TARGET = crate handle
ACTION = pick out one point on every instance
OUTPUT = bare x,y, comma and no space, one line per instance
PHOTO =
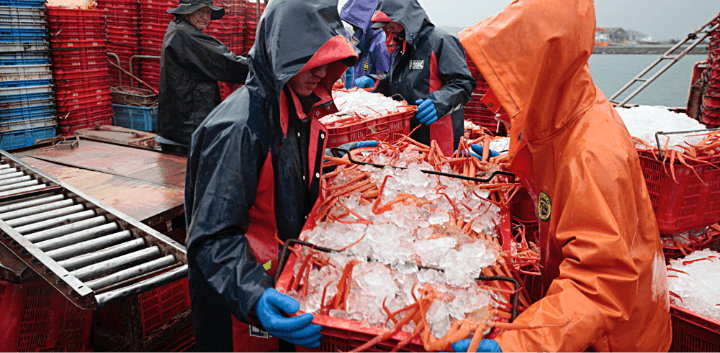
433,172
657,136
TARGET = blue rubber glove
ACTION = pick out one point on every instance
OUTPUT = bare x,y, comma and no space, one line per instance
479,150
368,143
351,146
469,154
349,74
297,330
426,112
364,82
485,346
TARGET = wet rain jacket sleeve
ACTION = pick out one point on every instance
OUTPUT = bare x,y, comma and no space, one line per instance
222,175
200,52
457,81
603,269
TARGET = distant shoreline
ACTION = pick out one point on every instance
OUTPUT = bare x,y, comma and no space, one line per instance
645,49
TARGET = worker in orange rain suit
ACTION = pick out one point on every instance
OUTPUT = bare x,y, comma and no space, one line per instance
605,282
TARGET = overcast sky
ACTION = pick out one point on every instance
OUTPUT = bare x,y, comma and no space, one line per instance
661,19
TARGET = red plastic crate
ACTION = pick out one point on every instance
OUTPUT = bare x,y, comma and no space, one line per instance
78,44
388,128
687,204
36,317
84,115
693,332
71,75
343,334
157,307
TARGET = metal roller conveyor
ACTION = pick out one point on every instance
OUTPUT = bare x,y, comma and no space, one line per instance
52,223
35,209
38,201
115,264
83,235
91,253
131,272
102,255
16,180
22,190
11,175
18,186
87,247
36,218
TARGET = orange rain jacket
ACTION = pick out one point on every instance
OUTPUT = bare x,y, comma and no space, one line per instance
603,267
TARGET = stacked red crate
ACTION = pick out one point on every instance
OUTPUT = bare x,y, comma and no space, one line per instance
36,317
122,18
251,22
154,20
711,101
231,31
80,68
476,111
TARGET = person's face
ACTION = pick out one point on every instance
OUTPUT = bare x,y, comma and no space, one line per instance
394,28
304,83
200,18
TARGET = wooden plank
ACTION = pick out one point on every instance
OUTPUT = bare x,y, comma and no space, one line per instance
119,134
138,199
147,165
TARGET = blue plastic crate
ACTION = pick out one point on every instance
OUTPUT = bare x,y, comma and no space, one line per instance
13,94
27,137
25,58
29,123
22,40
23,3
20,113
22,31
46,114
25,83
22,12
136,118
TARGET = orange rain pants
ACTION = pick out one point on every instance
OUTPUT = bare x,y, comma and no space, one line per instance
605,281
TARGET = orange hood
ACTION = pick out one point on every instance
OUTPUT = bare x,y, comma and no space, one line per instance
534,55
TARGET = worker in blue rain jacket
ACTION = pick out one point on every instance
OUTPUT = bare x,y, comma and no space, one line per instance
369,43
428,69
253,176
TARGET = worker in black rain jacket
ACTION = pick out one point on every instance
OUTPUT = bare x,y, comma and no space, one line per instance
191,64
254,174
428,69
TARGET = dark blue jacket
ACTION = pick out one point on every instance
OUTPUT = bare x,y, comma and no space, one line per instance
255,163
429,63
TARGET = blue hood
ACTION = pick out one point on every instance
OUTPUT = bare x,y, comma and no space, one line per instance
358,13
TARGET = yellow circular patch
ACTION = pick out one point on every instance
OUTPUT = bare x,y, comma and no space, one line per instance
544,206
366,67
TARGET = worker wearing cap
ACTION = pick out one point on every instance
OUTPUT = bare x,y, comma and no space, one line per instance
369,43
604,279
428,69
191,65
254,174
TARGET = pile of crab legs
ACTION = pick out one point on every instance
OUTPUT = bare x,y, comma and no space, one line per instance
710,146
348,179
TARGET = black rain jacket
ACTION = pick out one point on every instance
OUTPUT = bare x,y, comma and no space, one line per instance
429,64
255,163
191,64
